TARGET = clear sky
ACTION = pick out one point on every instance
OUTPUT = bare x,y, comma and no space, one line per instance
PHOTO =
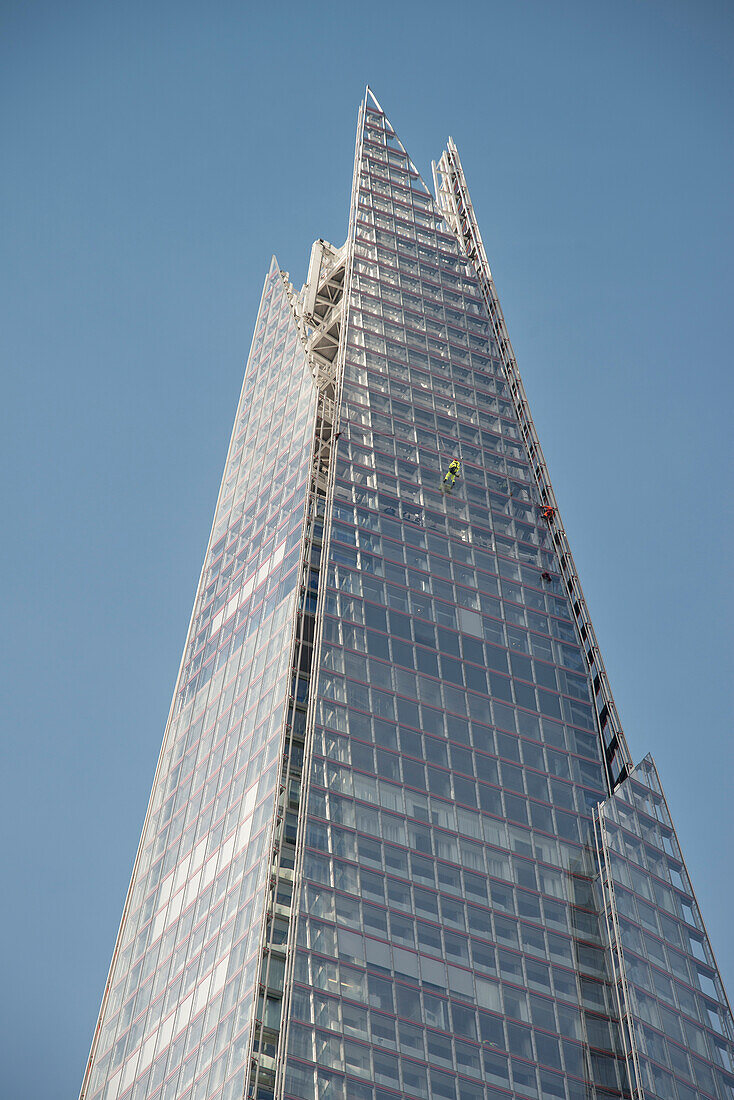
153,155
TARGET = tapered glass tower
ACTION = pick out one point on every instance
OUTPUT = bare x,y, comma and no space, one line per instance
396,846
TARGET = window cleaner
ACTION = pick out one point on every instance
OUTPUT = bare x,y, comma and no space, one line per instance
548,512
452,473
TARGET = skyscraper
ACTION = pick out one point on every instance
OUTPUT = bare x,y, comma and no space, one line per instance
396,846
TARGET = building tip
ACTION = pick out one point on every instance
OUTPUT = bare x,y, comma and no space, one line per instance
370,95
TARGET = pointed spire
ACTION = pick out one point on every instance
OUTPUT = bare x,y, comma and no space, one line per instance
371,99
372,103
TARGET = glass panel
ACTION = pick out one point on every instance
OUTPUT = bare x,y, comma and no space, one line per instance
672,995
179,1004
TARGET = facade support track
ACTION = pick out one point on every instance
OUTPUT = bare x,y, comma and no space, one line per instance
616,958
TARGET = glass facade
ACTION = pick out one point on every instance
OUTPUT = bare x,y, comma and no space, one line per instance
177,1013
679,1023
382,857
447,937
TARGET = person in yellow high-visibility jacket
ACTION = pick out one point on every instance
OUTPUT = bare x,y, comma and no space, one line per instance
452,473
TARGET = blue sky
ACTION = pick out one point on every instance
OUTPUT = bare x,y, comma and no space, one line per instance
154,156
